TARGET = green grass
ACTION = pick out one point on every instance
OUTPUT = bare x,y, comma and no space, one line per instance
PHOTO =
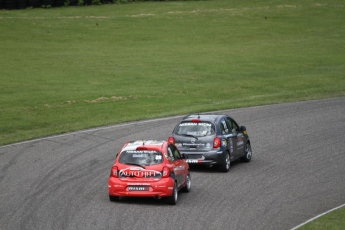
331,221
65,69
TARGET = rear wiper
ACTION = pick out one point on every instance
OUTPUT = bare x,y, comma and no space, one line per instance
188,135
130,163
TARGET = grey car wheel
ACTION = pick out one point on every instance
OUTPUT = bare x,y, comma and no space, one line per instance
247,153
226,164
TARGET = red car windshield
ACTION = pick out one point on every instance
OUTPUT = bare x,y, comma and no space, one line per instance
141,157
196,129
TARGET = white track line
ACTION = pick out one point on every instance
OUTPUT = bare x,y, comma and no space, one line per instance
314,218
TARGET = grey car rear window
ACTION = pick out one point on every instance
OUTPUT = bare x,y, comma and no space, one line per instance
197,129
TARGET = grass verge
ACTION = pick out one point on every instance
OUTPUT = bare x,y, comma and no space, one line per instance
332,221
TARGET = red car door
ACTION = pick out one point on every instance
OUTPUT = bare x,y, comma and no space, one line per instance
178,164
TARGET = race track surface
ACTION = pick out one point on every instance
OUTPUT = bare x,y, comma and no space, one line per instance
296,173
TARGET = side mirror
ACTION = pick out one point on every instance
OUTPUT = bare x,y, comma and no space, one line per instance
183,156
243,128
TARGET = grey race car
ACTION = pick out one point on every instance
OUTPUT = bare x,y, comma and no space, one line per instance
211,139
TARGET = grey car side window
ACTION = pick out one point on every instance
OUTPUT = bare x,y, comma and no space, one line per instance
224,126
231,128
235,125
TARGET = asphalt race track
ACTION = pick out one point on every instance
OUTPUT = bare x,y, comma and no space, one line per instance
297,172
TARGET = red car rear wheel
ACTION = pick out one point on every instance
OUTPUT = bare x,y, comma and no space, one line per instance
173,198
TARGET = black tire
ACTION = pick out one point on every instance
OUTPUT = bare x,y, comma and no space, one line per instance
247,153
225,166
172,200
188,186
114,198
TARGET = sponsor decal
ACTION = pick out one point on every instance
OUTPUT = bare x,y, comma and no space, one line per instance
231,146
140,142
182,168
178,145
118,186
193,144
138,152
192,161
141,155
138,172
135,184
195,124
239,140
160,186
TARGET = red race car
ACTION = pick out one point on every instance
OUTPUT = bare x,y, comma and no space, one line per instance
149,169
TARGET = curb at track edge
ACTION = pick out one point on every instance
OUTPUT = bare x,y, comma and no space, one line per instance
314,218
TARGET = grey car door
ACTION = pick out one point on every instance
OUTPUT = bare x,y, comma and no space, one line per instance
235,129
230,138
